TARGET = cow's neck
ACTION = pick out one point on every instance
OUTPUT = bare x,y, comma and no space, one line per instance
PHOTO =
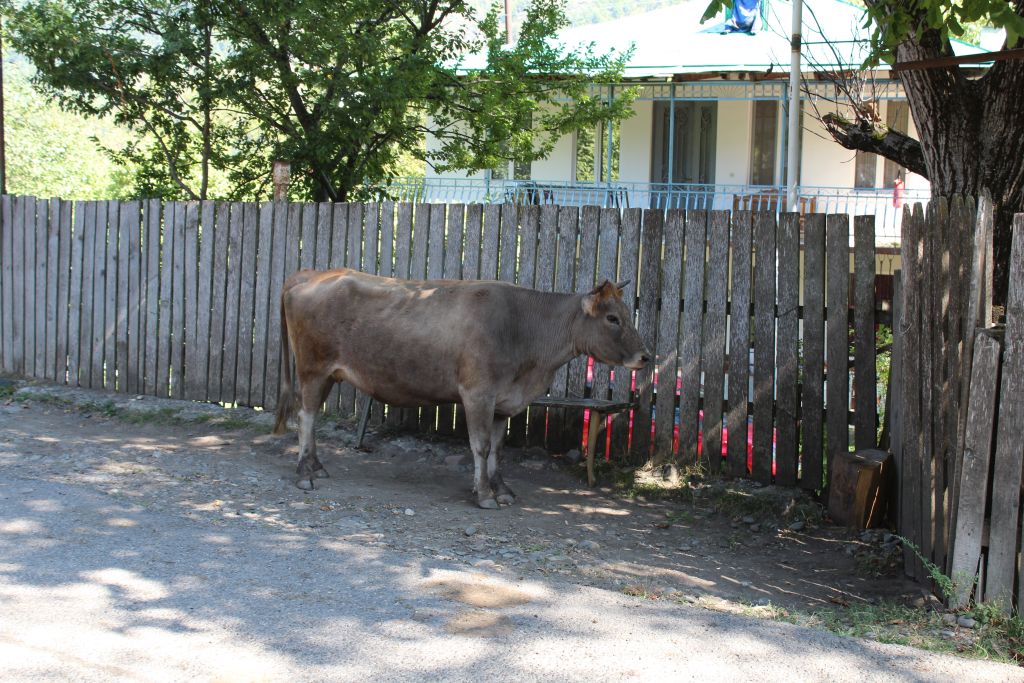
561,330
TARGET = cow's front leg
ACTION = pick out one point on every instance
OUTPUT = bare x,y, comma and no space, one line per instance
309,467
479,419
504,494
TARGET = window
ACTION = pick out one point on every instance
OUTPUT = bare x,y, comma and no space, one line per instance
692,133
864,174
764,142
897,117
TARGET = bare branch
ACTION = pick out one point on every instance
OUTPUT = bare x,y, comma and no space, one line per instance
903,149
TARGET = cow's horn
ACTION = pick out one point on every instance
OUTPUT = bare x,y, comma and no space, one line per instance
622,285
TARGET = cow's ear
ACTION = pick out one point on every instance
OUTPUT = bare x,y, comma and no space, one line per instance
604,290
590,303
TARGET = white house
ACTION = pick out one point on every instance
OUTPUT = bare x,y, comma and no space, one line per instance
709,128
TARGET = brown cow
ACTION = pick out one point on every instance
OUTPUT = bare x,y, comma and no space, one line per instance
491,346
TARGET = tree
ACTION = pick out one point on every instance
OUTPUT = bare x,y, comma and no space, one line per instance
340,89
971,129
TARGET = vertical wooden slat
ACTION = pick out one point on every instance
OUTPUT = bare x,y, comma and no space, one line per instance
387,239
28,294
528,222
403,240
7,260
132,217
110,314
787,349
85,329
323,229
490,249
764,345
151,293
559,438
941,295
666,354
347,403
74,347
928,324
1008,466
622,382
418,271
647,326
198,327
739,342
584,279
865,378
954,287
288,229
238,327
166,281
179,298
371,236
39,305
435,271
128,219
18,286
812,397
307,255
99,296
233,228
452,263
713,353
837,306
221,241
976,459
64,227
690,347
261,300
910,410
52,276
543,280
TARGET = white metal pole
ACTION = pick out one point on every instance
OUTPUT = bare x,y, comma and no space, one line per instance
793,135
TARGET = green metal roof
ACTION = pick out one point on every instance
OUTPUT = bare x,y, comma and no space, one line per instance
672,40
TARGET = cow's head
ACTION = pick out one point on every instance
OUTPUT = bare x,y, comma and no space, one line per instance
607,332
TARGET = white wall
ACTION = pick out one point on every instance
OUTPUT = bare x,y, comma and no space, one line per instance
732,153
635,144
823,161
559,165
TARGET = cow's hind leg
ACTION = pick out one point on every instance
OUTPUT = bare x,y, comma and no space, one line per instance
314,389
503,494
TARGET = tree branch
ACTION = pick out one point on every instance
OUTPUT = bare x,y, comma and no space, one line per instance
903,149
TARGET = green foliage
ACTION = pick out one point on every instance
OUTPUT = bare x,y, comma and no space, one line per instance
894,21
346,91
56,153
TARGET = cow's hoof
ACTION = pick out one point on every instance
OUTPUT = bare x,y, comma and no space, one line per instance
488,504
506,498
321,474
305,484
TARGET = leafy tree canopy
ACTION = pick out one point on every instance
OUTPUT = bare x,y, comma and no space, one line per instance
341,89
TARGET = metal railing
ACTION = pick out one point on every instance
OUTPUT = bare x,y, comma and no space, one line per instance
878,202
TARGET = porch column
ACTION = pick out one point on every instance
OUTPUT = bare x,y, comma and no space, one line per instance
793,152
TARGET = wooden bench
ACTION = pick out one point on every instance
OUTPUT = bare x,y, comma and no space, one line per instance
599,410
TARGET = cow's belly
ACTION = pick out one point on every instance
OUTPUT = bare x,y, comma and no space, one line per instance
398,378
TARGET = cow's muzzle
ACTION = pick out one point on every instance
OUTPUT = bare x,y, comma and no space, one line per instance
638,360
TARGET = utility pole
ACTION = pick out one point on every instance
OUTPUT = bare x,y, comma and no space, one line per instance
3,134
281,176
508,22
793,148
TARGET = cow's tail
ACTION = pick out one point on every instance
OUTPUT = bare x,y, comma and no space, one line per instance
286,397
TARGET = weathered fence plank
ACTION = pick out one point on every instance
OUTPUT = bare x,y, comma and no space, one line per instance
36,338
194,380
28,293
387,239
607,253
110,310
764,345
88,286
64,288
714,337
470,271
18,285
812,389
151,292
690,344
339,242
128,222
647,326
452,270
132,234
1008,467
7,259
261,298
928,323
418,271
622,381
179,302
865,375
435,271
249,237
666,353
739,342
489,253
221,241
837,305
787,351
99,297
910,415
74,291
976,458
52,278
198,331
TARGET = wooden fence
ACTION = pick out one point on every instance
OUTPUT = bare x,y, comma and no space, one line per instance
180,299
959,415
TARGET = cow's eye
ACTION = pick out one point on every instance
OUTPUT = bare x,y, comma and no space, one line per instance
613,319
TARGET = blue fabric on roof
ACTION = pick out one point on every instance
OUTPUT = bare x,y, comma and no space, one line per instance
745,14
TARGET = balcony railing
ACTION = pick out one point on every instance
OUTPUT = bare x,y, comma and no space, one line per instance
879,202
